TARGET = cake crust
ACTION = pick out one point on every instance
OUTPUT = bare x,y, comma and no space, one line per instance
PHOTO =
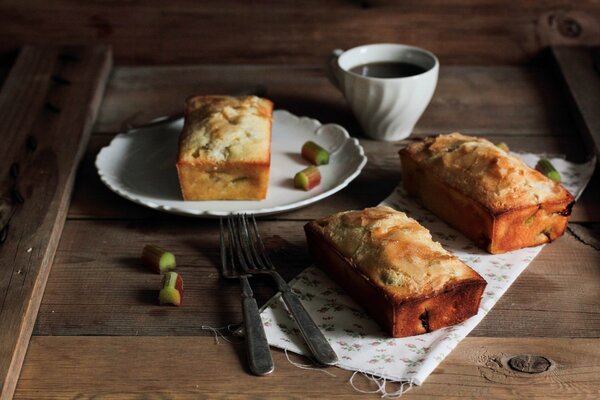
391,266
225,148
493,198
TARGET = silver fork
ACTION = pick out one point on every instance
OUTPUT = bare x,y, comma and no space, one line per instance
235,266
259,262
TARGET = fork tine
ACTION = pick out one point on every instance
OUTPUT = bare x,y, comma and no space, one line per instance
245,240
251,248
236,241
228,263
264,259
223,248
234,235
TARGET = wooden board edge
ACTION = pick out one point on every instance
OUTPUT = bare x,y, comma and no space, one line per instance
9,381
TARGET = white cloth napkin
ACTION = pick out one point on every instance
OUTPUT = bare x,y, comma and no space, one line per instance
359,342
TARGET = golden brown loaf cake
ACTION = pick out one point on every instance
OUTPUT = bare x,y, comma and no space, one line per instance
391,266
225,148
493,198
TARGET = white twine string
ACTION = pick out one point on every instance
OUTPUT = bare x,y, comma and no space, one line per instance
306,366
217,332
381,386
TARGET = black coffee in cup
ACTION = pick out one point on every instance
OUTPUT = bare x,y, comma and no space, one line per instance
386,108
391,69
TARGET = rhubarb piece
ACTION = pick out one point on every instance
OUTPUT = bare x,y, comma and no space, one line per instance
546,168
308,178
503,146
157,259
172,290
314,153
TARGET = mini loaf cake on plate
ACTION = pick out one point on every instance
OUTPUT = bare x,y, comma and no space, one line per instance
225,148
493,198
391,266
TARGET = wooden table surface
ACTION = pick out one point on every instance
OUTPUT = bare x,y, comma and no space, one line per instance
100,334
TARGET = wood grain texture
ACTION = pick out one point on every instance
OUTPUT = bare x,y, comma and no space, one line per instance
471,99
580,70
59,117
98,286
236,31
103,288
193,367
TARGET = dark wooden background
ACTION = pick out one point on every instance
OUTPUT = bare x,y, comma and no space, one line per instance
99,333
480,32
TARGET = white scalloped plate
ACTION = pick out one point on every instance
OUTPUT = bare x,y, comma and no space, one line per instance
140,166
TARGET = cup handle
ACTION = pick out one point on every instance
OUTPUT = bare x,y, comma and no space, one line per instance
332,137
333,70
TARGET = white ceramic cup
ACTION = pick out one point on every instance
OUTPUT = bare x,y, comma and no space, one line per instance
386,108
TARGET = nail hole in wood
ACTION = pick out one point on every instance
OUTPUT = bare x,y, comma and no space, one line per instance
16,195
569,27
68,57
529,364
596,59
363,3
51,107
31,143
14,170
4,234
60,80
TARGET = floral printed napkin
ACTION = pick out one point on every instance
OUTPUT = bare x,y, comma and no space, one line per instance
359,342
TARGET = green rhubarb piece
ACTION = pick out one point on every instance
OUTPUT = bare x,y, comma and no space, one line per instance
546,168
314,153
158,259
503,146
172,290
308,178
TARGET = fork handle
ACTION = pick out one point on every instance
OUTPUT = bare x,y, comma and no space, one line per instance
257,346
318,345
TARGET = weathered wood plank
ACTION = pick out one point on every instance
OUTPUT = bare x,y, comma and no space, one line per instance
193,367
105,275
580,70
478,100
556,296
98,286
47,107
235,31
